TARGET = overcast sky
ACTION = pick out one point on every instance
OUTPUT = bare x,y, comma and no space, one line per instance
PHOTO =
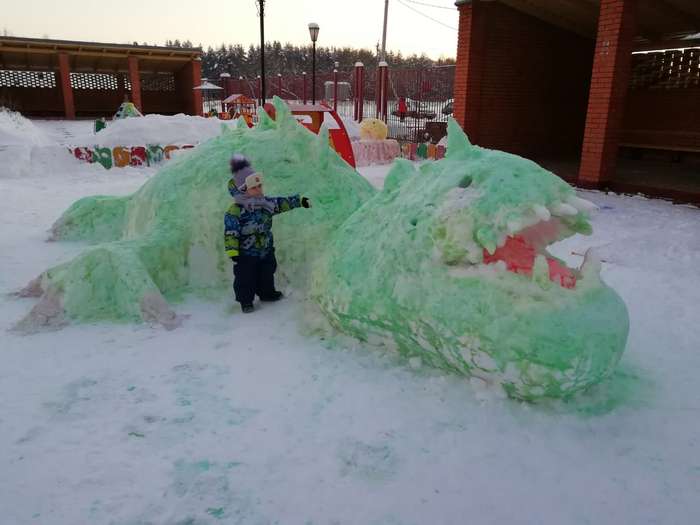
355,23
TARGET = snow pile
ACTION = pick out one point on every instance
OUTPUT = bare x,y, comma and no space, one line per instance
15,130
154,129
26,149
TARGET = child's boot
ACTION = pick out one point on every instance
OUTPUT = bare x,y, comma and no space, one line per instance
275,296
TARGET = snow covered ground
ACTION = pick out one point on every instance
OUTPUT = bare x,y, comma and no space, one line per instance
245,420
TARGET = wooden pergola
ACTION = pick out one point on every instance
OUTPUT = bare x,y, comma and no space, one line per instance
176,70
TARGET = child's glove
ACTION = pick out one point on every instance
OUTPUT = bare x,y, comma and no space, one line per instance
305,202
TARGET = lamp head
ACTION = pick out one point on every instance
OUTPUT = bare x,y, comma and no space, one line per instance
313,31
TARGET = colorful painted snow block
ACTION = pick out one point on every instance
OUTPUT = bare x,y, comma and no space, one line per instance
122,156
154,154
138,156
103,156
169,149
82,153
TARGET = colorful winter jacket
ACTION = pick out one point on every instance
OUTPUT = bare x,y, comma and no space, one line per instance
250,232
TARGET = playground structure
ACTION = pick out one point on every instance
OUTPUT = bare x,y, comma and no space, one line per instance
239,105
311,116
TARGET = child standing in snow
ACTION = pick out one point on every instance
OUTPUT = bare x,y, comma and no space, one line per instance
248,234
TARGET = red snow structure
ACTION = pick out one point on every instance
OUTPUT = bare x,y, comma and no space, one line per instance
311,116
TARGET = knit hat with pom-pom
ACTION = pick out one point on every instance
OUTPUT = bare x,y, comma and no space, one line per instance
241,169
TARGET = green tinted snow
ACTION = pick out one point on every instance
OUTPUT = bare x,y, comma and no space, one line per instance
401,267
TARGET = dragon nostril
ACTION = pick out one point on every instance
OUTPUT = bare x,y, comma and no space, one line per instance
465,182
414,221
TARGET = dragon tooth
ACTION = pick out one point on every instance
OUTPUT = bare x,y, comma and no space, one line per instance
592,263
513,227
581,204
562,209
542,212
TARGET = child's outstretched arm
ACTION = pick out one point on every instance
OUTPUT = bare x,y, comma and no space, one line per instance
283,204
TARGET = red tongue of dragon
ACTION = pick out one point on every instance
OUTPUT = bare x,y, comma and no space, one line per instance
519,257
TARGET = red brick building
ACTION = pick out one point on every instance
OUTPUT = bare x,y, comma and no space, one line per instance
59,78
570,82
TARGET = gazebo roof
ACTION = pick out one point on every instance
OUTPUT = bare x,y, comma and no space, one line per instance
208,86
238,97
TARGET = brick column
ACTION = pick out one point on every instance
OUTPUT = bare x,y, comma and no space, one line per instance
66,88
189,77
609,84
468,71
135,81
195,68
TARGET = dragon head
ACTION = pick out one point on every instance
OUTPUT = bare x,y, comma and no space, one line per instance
449,262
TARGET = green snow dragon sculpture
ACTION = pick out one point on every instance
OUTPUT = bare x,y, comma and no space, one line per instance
447,263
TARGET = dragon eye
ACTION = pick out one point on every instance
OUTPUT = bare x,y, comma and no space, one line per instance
465,182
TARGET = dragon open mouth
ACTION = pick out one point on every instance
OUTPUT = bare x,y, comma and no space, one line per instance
520,251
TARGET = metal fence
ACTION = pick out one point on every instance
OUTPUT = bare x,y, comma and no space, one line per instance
418,101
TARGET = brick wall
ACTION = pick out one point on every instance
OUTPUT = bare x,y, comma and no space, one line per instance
521,85
609,86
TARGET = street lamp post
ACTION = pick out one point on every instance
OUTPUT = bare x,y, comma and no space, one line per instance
261,12
313,31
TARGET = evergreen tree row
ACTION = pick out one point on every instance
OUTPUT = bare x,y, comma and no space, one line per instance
290,59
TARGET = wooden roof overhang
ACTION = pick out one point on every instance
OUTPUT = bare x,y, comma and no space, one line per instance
29,54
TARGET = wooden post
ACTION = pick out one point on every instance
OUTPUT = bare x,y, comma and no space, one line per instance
135,80
66,88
